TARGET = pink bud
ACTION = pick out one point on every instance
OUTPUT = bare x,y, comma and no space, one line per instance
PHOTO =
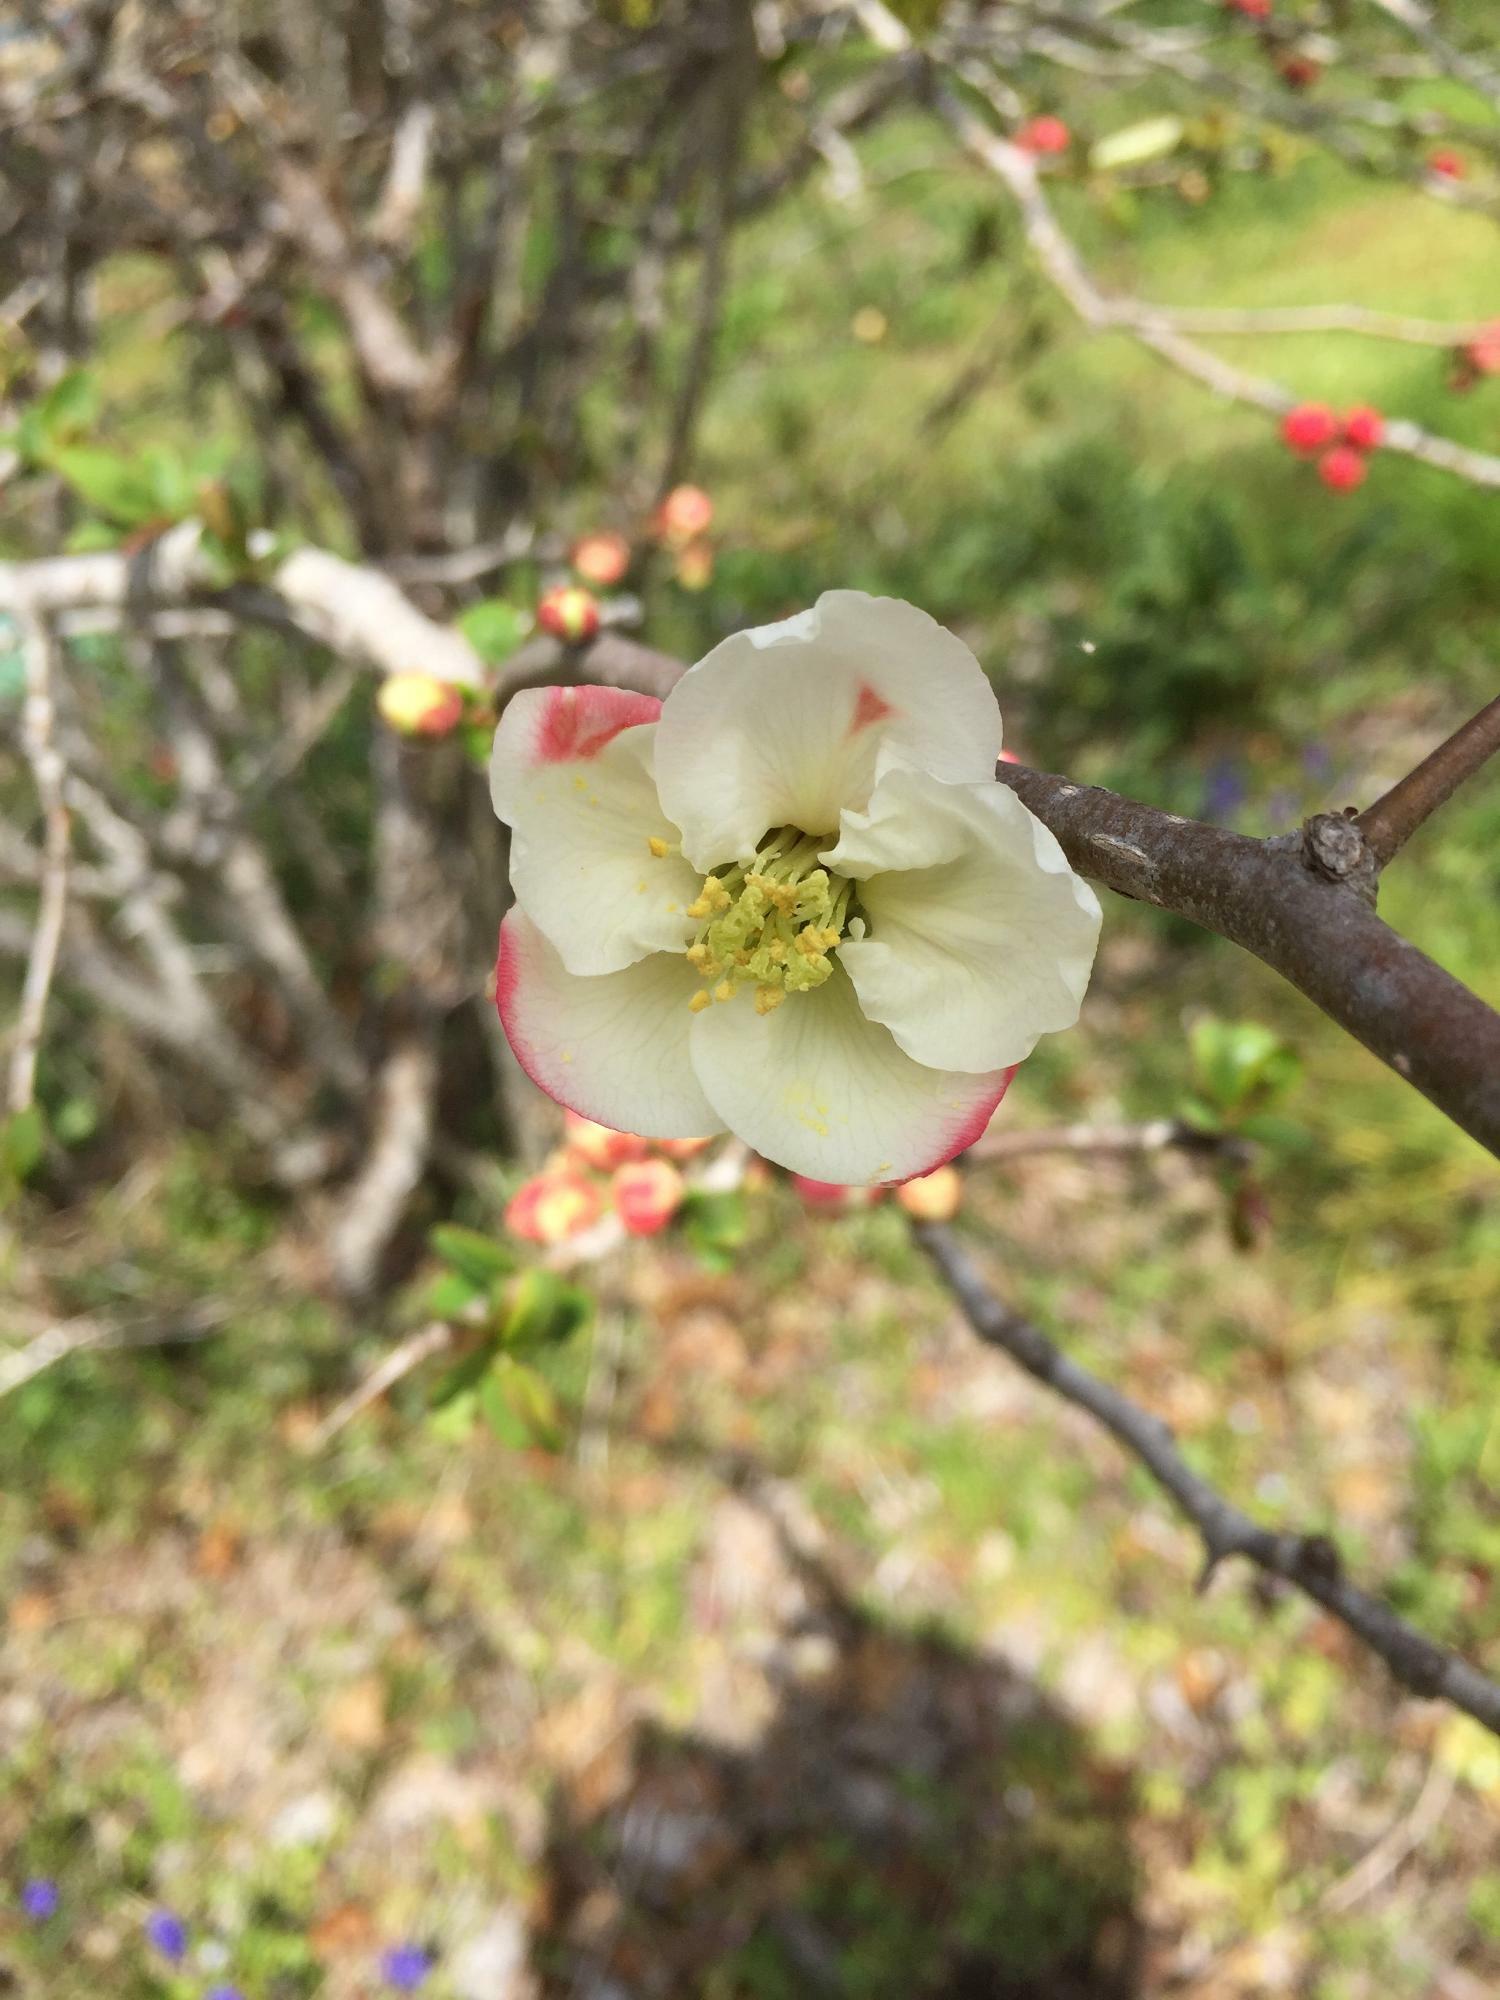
648,1193
682,1149
568,612
1342,469
833,1197
1364,427
601,559
934,1197
695,566
687,511
418,705
551,1207
1449,166
600,1146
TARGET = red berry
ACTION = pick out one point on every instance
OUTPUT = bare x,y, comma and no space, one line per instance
1343,468
1253,10
1449,165
1364,427
1309,427
1044,135
568,612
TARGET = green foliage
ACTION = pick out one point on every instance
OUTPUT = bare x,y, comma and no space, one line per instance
494,628
1241,1071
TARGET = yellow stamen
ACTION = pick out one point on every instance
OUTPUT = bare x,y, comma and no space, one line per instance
769,998
724,990
659,847
700,1000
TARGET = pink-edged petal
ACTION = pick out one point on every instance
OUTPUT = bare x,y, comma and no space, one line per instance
824,1092
787,725
613,1047
981,937
571,771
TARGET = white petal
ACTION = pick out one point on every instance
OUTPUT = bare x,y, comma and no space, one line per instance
980,936
784,725
822,1091
571,772
614,1047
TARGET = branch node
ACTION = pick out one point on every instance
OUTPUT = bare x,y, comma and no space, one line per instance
1334,848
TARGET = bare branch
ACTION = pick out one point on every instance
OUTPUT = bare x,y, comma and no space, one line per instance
50,776
1156,1135
1393,819
1296,905
1309,1562
1149,325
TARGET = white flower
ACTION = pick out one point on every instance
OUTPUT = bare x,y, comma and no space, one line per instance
792,900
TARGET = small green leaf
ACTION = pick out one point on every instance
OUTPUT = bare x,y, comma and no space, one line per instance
1134,145
463,1377
716,1226
542,1310
449,1296
519,1406
494,628
475,1256
120,487
23,1140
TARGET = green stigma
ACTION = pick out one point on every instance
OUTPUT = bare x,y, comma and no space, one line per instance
771,924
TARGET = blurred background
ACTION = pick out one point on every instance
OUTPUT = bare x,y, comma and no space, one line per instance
434,1563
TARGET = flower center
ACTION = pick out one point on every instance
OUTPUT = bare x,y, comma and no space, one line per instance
770,925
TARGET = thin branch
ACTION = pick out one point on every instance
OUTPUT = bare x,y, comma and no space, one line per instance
396,1366
1156,1135
50,776
1311,1563
1148,324
1394,818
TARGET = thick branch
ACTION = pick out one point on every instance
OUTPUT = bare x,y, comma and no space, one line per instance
1394,818
1322,935
1310,1562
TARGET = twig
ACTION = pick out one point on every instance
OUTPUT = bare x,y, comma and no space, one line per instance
1147,324
50,775
1309,1562
1155,1136
397,1365
1388,1853
1395,816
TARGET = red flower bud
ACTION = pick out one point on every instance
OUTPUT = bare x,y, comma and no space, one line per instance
695,566
1044,135
648,1193
551,1207
1253,10
1364,427
934,1197
1309,427
1447,165
418,705
600,1146
568,612
601,559
686,512
832,1197
1343,468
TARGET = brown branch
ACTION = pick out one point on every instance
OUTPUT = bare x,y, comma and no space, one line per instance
1395,816
1297,906
1311,1563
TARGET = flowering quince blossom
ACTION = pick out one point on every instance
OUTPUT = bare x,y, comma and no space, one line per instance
791,900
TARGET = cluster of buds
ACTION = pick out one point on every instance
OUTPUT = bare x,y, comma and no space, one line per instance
934,1197
1341,445
597,1170
681,524
1477,358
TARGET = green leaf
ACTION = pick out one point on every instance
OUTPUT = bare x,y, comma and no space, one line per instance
23,1140
519,1406
69,408
1134,145
543,1310
474,1256
120,487
450,1296
463,1377
716,1226
494,628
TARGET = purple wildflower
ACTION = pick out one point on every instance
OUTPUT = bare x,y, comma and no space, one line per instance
1223,788
39,1899
168,1933
405,1967
224,1993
